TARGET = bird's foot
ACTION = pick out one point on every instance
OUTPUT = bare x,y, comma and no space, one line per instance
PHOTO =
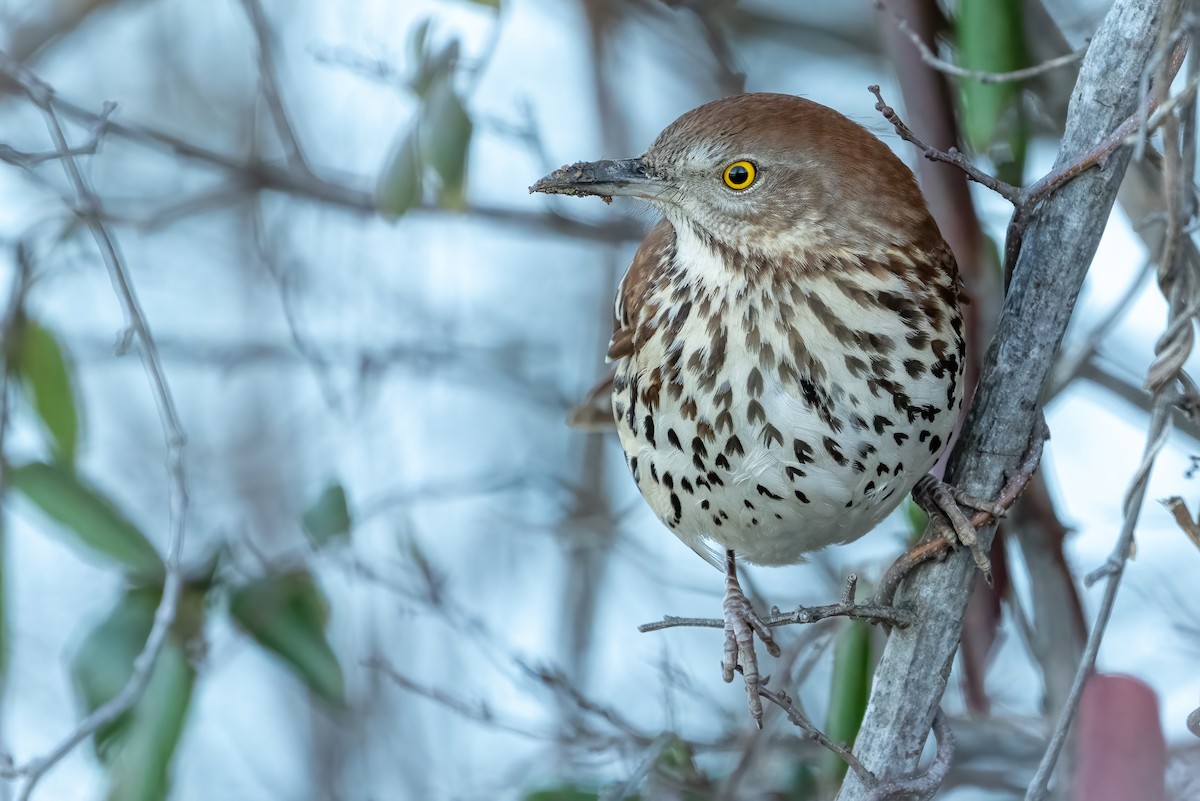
741,624
942,503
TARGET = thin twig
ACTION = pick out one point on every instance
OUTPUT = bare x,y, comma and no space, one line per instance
952,156
173,434
925,785
782,700
1179,284
983,76
269,83
874,613
1115,568
27,160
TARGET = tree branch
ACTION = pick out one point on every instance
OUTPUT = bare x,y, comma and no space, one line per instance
1062,236
143,665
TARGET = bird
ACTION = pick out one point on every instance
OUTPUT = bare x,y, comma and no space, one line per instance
788,340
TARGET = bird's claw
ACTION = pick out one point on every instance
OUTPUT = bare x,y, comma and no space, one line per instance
741,624
942,503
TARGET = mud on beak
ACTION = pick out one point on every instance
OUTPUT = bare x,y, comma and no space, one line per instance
604,179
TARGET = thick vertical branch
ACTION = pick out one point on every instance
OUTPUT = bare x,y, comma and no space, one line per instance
1058,247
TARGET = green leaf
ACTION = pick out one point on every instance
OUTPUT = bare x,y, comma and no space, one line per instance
329,517
46,378
991,38
399,187
445,140
562,794
89,516
141,764
850,690
139,745
287,614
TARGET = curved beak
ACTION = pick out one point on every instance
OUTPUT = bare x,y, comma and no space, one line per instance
605,179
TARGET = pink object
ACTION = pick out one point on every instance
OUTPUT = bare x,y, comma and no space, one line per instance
1120,751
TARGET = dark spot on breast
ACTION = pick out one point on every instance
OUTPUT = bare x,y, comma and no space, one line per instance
699,448
771,436
764,491
724,421
676,506
935,444
633,467
855,365
734,446
714,478
722,462
858,423
668,480
754,383
686,485
899,436
924,435
833,450
749,505
880,422
803,451
800,496
794,472
704,505
882,470
914,368
723,515
698,463
858,467
673,438
705,432
648,426
869,488
716,520
755,413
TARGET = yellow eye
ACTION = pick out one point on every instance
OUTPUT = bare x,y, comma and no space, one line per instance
740,174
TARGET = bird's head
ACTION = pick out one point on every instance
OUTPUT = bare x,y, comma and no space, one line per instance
771,175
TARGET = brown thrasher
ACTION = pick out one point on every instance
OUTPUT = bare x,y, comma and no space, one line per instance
788,343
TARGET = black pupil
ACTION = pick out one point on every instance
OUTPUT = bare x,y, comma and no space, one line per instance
738,175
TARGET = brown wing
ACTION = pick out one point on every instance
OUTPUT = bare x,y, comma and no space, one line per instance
594,412
630,294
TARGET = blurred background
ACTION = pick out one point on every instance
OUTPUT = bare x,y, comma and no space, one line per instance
403,575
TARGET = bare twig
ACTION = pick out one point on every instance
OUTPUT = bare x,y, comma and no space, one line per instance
477,711
20,158
164,615
1179,284
269,83
874,613
952,156
782,700
925,785
941,65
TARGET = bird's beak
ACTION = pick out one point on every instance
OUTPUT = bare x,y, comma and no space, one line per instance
622,177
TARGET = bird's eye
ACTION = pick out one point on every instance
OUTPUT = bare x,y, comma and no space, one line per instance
740,174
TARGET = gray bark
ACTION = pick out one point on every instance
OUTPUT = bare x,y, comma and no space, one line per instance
1058,248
